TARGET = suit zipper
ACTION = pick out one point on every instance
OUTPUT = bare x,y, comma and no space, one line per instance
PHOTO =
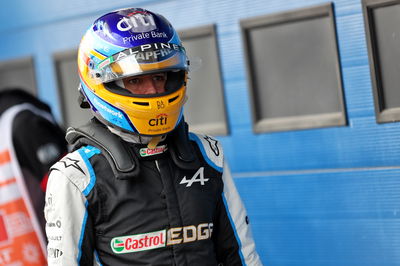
158,167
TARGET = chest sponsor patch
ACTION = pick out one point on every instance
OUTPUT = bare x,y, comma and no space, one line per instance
144,152
162,238
139,242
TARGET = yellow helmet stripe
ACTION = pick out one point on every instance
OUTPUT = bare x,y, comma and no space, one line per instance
98,55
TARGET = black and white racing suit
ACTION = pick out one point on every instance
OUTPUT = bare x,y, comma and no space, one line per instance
165,215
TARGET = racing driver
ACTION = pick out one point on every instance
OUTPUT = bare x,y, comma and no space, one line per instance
139,188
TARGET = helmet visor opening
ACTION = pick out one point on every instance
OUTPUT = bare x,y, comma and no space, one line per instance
140,60
174,81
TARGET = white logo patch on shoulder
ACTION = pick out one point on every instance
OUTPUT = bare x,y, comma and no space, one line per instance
197,177
70,162
213,144
211,150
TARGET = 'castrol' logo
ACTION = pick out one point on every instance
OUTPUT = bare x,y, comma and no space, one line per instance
140,242
144,152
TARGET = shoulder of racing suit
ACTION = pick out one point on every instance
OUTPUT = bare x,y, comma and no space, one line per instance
124,162
211,149
76,167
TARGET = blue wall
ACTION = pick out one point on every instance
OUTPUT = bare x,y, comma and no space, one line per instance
326,196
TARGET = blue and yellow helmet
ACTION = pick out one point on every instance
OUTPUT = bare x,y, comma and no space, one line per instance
133,42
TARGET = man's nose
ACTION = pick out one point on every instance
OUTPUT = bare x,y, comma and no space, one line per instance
149,86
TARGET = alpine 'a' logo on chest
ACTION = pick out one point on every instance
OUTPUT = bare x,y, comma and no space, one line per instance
197,177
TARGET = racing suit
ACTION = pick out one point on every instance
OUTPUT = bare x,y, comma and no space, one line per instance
38,148
167,206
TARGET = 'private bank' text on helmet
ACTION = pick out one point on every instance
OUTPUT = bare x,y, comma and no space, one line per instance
133,42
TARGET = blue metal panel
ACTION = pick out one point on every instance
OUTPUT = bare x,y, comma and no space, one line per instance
348,217
315,197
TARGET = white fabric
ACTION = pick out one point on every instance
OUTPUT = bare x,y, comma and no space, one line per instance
14,169
5,172
71,179
238,215
212,149
9,193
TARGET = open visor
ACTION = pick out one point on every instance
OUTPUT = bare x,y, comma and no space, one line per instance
139,60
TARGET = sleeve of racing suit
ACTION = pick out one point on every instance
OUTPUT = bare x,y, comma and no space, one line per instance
232,233
68,230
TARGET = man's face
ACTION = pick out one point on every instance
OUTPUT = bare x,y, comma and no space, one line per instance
146,84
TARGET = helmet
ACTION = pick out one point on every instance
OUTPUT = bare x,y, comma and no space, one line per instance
133,42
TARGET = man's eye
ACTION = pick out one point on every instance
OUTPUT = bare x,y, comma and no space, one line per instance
158,77
134,81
